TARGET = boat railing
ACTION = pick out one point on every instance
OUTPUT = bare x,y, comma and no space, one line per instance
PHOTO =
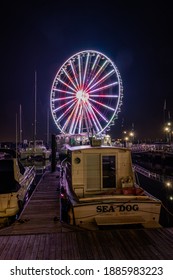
149,174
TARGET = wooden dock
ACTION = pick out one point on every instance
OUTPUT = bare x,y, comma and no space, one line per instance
39,235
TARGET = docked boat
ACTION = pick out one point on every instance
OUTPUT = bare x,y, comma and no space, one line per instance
15,183
36,150
99,188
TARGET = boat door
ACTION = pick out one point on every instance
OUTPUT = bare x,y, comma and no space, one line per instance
100,172
108,171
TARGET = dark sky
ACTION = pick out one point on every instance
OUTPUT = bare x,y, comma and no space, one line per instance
42,35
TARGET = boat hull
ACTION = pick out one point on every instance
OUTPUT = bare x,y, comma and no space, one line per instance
11,203
118,211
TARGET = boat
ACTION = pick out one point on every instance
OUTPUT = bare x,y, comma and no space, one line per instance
16,182
36,150
99,188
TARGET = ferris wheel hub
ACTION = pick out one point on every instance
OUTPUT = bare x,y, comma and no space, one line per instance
81,95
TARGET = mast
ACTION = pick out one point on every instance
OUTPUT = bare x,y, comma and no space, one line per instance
48,127
20,124
16,134
164,112
35,111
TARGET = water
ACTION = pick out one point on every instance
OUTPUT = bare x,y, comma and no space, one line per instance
162,189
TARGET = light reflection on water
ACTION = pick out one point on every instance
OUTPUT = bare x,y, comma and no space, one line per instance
162,187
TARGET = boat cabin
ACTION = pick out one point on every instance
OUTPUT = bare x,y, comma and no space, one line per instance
92,170
99,188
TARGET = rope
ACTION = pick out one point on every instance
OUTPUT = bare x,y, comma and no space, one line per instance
170,213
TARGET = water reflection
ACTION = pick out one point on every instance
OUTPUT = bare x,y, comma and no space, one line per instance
156,176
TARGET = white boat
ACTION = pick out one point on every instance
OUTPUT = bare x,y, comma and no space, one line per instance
98,188
15,183
36,150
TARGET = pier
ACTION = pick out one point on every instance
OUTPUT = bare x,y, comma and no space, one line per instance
39,234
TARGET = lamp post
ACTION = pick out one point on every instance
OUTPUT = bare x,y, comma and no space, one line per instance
131,135
168,131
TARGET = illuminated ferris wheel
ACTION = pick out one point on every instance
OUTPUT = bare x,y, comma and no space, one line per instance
86,94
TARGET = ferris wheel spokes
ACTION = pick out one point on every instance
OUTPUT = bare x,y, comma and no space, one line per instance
68,76
108,107
92,113
64,91
101,80
86,67
99,113
91,119
70,118
80,120
66,84
66,112
79,63
74,72
97,74
104,87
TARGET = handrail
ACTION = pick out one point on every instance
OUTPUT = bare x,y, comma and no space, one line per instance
150,174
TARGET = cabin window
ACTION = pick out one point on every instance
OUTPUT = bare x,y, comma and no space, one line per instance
21,167
8,183
108,172
77,160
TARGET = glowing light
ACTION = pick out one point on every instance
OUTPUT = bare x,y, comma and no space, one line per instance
64,91
168,184
70,78
62,106
102,104
104,87
97,74
66,84
102,79
74,73
86,93
82,95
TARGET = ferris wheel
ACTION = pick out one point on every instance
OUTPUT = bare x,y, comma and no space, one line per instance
86,94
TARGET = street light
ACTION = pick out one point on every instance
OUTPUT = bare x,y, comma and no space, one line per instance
168,131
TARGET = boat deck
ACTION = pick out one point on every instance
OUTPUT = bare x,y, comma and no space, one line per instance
39,234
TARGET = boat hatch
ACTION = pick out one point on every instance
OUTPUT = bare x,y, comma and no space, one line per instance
106,220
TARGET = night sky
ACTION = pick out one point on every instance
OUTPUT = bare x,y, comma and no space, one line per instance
42,35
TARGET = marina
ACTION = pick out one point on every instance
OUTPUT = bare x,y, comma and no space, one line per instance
40,234
86,104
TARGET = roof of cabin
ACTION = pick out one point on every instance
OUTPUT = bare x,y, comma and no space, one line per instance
88,147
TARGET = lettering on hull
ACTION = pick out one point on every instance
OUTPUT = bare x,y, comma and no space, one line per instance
118,208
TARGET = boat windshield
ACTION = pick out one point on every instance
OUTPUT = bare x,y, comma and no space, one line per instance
8,183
